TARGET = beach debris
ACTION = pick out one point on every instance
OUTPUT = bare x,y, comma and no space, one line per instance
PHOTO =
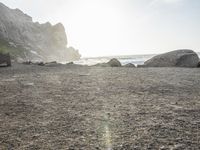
177,58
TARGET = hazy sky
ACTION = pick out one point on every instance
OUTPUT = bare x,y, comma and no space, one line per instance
120,27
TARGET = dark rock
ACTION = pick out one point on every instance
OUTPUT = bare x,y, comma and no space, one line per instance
130,65
52,64
141,66
198,65
27,62
114,63
177,58
70,63
5,59
40,63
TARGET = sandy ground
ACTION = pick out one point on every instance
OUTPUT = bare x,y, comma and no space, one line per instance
72,107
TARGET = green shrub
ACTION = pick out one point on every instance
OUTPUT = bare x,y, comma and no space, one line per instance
14,52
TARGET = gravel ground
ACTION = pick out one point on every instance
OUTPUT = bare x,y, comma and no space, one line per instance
74,107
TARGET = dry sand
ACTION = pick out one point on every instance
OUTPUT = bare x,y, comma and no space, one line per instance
73,107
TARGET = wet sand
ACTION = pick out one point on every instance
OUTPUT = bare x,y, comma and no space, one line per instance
73,107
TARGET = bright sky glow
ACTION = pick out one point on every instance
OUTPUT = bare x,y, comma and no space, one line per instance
120,27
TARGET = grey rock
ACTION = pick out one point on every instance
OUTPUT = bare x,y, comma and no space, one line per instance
52,64
141,66
27,63
102,65
39,63
177,58
129,65
70,63
114,63
198,65
5,59
40,42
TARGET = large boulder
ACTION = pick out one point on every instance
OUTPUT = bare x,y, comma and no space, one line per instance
177,58
114,63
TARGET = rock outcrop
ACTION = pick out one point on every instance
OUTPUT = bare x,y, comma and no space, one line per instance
27,40
177,58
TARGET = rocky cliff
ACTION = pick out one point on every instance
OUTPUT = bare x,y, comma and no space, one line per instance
28,40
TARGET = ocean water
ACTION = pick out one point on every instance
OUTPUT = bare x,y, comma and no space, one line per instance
134,59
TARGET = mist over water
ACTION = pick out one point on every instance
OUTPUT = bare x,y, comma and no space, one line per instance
134,59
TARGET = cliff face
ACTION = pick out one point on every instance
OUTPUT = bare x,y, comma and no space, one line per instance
26,40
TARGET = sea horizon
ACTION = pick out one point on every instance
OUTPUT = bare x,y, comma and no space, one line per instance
137,59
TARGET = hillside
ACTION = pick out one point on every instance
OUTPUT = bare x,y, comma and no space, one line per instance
28,40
